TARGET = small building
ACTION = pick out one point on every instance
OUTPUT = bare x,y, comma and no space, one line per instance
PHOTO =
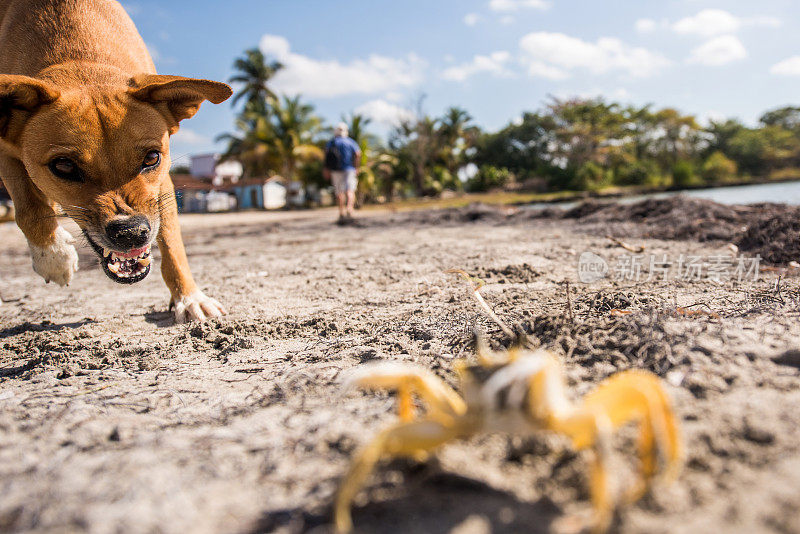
296,194
260,193
196,196
208,167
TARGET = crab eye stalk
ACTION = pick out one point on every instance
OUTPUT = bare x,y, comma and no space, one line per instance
66,169
151,160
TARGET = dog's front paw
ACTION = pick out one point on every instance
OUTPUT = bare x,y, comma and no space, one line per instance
57,262
197,307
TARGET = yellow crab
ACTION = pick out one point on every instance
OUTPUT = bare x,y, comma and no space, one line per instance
518,392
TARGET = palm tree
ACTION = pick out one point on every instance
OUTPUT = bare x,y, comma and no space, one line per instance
291,135
277,142
453,130
255,72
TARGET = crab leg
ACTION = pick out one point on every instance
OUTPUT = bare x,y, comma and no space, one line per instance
625,397
639,395
633,395
409,380
403,439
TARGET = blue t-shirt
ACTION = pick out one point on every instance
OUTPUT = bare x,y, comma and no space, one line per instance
348,149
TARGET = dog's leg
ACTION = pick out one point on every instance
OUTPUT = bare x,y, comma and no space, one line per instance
52,251
189,302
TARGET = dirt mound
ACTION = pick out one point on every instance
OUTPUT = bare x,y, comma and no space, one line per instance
775,238
677,217
770,230
584,209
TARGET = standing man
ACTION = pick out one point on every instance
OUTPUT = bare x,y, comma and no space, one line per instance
342,159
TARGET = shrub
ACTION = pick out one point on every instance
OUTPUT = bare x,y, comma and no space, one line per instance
589,177
643,172
445,178
488,177
683,174
718,168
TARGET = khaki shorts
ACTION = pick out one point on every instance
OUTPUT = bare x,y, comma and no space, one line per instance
344,181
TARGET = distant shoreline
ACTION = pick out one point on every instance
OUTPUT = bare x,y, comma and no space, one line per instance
516,198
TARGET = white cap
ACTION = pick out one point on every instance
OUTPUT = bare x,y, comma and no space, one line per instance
342,130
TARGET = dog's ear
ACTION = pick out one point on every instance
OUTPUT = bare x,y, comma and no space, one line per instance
177,97
20,96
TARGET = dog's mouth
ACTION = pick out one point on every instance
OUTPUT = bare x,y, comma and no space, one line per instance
124,267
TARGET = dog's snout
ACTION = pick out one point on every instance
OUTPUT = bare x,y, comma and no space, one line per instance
129,233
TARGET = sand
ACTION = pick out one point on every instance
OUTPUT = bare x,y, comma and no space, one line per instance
112,419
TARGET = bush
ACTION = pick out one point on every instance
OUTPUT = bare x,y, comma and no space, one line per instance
719,168
589,177
644,172
488,177
683,174
445,179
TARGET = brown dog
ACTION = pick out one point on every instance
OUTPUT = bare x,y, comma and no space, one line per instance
84,126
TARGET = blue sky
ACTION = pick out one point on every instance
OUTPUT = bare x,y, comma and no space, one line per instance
496,58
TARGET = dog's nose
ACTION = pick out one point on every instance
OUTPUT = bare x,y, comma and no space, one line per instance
129,233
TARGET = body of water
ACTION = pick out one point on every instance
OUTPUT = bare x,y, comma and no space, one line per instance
780,193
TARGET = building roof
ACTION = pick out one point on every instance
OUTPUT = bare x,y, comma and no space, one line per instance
187,182
261,180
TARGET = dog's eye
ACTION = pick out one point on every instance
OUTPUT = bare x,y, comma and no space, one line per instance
66,169
152,159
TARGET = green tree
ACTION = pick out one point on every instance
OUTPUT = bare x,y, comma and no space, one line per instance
586,130
278,141
787,118
676,137
254,72
456,137
291,135
683,174
718,168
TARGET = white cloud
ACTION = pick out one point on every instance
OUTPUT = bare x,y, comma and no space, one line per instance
384,113
711,22
718,51
620,93
539,69
331,78
788,67
645,25
708,22
555,55
190,137
495,64
514,5
394,96
471,19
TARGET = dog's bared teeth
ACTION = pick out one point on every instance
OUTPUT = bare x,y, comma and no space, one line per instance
114,257
144,262
106,252
114,268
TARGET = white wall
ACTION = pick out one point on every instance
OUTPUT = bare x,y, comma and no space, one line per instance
203,166
274,196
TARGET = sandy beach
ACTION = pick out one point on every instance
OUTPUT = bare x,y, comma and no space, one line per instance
112,419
